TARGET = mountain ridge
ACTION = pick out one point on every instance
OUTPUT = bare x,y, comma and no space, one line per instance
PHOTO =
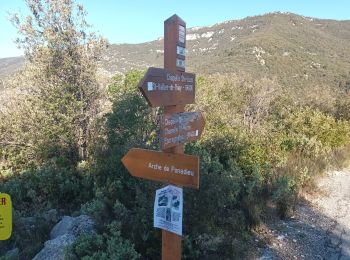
296,49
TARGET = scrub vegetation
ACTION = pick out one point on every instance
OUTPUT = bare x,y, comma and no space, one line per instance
64,132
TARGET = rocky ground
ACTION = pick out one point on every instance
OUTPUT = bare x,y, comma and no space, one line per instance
319,228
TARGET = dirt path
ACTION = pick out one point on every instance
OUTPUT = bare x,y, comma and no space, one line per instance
320,227
337,207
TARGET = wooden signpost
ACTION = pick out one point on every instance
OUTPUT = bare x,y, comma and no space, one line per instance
179,128
179,169
171,88
162,87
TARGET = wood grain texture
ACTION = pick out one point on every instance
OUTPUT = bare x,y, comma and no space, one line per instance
171,246
162,87
178,169
179,128
171,243
171,41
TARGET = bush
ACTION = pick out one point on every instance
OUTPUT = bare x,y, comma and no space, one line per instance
285,195
106,246
260,144
245,155
48,187
36,191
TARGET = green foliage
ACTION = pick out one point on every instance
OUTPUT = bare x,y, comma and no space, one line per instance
131,119
36,191
262,143
285,195
109,245
46,188
119,196
55,115
266,148
313,130
271,134
124,84
95,208
225,194
28,235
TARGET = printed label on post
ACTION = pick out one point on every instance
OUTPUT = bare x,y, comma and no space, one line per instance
180,63
180,51
168,205
150,86
182,34
5,216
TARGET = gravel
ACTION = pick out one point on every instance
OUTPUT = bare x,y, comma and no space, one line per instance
319,228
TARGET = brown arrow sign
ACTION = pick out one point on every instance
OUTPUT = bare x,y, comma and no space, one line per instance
179,169
179,128
162,87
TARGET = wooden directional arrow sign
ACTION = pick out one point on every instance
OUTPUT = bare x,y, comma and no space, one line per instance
162,87
178,169
180,128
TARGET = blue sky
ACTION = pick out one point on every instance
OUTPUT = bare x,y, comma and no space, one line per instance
134,21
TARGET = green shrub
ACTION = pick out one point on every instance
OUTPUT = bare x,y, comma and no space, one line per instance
48,187
260,144
285,195
36,191
109,245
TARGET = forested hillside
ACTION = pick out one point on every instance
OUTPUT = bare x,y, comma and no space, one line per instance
274,90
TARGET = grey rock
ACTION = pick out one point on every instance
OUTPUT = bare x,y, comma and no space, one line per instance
77,226
12,254
55,249
65,226
63,234
83,224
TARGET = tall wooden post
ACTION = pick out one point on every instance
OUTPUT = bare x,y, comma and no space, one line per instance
170,88
174,60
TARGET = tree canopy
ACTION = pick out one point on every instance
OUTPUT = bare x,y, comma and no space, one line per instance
60,89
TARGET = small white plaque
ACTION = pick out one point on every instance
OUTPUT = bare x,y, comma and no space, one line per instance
182,34
181,51
180,63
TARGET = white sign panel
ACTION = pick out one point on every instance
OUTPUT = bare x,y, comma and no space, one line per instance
180,63
181,51
182,34
168,206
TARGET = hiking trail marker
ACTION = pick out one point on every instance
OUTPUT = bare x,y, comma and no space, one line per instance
161,87
171,88
179,128
179,169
